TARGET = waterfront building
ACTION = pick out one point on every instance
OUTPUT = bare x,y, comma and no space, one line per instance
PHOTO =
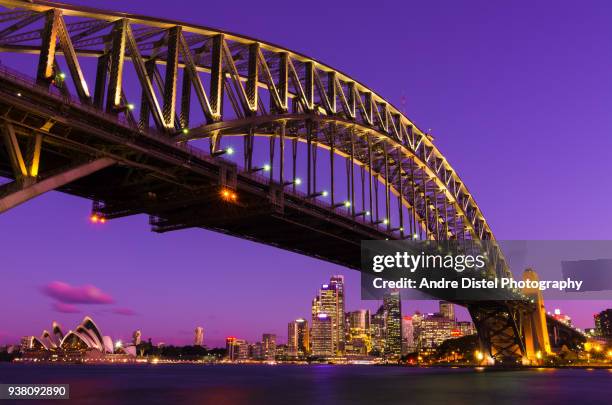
237,349
330,301
198,339
358,340
408,341
603,323
465,328
435,329
268,346
393,324
298,339
378,331
322,336
447,310
86,342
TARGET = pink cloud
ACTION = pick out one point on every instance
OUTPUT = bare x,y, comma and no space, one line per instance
68,294
65,308
123,311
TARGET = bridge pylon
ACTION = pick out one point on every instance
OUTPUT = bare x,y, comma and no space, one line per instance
535,329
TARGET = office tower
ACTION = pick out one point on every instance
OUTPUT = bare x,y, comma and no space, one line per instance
298,342
198,339
337,281
465,328
330,301
322,336
603,323
136,336
378,331
268,342
237,349
434,330
358,340
408,343
393,323
447,310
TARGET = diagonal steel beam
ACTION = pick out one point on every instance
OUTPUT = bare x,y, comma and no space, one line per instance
46,59
171,76
145,81
72,61
19,197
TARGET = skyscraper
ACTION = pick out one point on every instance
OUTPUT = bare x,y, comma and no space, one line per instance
408,344
322,336
198,339
447,310
359,338
393,323
435,329
298,339
330,301
378,330
269,346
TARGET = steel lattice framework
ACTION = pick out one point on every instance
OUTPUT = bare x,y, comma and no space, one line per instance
204,85
303,99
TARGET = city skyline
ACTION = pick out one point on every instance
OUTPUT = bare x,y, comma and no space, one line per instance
464,100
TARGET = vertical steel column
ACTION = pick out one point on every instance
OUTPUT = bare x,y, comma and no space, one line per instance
172,58
352,196
332,152
272,150
101,76
413,223
216,77
369,141
185,100
117,55
400,189
308,158
424,180
46,59
281,169
387,190
314,164
294,155
253,77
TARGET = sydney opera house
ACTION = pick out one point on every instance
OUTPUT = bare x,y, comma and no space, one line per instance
85,342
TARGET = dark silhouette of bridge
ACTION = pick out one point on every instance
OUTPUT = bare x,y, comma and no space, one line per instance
123,135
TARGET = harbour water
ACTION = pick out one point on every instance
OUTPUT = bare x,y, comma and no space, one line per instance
315,384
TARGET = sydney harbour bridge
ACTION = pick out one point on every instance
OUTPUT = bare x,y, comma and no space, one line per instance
197,127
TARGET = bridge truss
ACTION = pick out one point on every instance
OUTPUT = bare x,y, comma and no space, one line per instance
116,101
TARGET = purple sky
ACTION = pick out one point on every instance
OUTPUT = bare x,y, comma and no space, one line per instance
518,98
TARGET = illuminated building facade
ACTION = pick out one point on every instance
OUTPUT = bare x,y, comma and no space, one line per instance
408,342
435,329
268,343
447,310
298,338
330,301
393,324
603,323
358,340
322,336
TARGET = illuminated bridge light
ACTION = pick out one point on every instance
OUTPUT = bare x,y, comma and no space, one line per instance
131,106
297,181
62,75
266,167
415,236
368,213
185,131
229,151
347,204
324,193
94,218
385,221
